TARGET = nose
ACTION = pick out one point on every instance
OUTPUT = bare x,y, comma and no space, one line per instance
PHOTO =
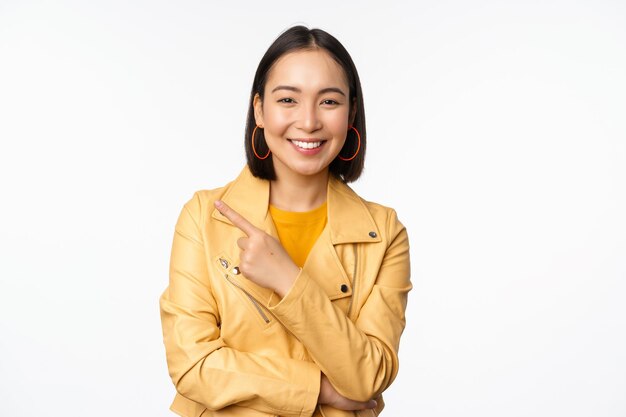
309,120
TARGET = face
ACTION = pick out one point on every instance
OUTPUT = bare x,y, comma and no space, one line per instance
305,112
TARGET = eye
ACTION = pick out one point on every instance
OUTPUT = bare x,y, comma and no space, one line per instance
286,100
330,102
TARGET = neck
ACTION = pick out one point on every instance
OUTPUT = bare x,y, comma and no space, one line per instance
299,192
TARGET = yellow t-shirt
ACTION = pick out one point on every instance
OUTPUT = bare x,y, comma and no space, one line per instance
298,231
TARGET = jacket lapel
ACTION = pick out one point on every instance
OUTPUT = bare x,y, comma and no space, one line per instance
249,196
349,221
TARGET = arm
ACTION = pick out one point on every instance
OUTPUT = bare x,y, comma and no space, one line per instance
362,361
200,364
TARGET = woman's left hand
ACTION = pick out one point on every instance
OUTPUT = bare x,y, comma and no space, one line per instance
263,260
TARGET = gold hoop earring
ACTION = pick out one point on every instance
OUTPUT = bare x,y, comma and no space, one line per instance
254,149
358,147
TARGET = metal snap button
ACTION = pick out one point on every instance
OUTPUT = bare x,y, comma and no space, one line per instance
224,263
344,288
373,234
236,270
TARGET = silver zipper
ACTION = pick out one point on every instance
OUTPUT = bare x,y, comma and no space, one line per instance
354,281
255,303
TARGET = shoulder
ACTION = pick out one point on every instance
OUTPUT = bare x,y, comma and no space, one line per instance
202,201
381,214
379,211
395,237
384,216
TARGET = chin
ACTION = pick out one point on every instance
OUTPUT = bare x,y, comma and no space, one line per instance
307,170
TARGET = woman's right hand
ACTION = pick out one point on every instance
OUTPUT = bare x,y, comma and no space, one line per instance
330,396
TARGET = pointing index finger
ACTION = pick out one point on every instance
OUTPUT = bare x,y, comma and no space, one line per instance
236,218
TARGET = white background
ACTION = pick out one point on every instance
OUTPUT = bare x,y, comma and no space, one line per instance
497,129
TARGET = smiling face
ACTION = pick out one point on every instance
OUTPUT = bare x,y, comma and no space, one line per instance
305,112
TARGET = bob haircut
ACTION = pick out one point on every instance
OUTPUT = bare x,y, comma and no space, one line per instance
299,38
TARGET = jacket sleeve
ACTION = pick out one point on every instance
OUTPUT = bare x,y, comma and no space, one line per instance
359,358
202,367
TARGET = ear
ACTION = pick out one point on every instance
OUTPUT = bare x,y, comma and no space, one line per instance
352,112
258,109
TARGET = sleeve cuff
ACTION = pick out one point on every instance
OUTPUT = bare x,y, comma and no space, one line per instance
313,391
281,306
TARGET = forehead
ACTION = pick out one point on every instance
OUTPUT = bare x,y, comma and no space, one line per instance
308,69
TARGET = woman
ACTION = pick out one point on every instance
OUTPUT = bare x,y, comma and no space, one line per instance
287,291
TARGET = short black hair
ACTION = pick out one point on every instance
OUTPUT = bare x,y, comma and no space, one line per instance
301,38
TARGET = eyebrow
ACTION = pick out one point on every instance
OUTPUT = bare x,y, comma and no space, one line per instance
297,90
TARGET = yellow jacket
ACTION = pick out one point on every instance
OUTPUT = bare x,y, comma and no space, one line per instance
234,348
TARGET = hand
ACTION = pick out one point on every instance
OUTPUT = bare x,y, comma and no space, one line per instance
328,395
263,260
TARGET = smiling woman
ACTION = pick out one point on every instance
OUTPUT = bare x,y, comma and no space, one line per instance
287,290
305,113
307,79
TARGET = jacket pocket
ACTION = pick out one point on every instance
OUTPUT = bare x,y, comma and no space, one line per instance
231,274
252,298
255,303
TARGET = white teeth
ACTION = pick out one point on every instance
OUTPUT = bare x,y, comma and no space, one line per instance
306,145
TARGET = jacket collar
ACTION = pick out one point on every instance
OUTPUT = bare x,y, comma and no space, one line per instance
349,220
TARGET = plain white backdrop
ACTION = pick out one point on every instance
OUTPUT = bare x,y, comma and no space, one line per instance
497,129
